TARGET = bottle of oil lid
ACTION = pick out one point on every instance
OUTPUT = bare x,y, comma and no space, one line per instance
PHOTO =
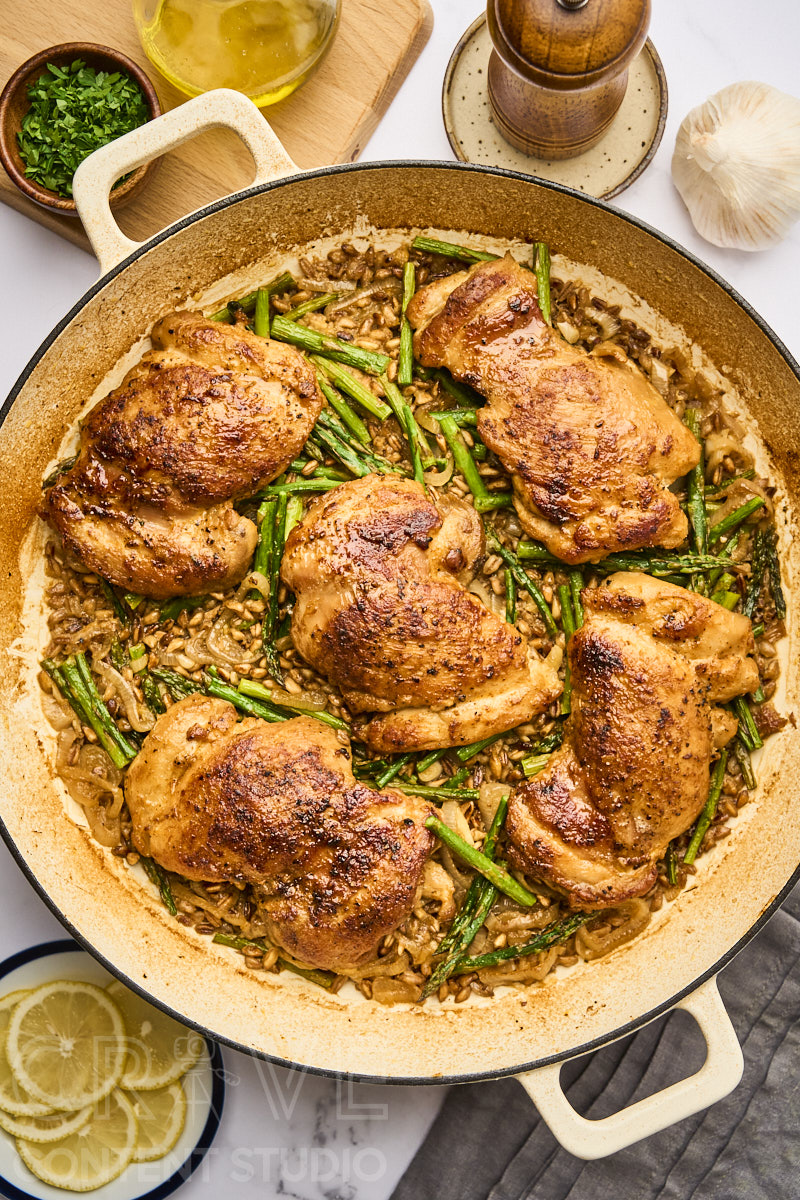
264,48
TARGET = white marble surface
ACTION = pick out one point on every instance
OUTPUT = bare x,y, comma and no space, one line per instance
286,1134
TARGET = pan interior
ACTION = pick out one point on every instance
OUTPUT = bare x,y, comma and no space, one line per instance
224,252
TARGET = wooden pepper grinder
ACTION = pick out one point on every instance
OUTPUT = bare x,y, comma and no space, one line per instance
559,69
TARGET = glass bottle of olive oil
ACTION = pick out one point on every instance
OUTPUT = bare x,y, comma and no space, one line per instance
264,48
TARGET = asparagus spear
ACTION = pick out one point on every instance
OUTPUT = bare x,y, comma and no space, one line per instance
568,625
758,568
661,566
542,270
459,391
343,410
501,879
671,863
451,250
396,767
354,387
460,416
710,807
75,681
152,695
735,518
324,979
438,793
408,422
551,935
60,469
281,283
724,585
465,753
743,758
406,359
328,420
484,499
524,581
774,567
312,305
266,533
429,759
536,552
481,895
533,764
257,691
575,587
157,876
214,686
511,597
269,620
299,486
178,686
748,730
696,488
329,348
343,452
261,317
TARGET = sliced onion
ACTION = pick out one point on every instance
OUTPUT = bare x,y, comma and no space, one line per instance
388,285
394,991
140,719
454,819
521,970
490,794
440,478
591,945
437,885
426,421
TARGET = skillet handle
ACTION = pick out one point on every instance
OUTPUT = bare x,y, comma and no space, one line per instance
222,108
718,1076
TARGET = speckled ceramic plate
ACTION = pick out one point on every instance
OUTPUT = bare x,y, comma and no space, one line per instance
603,171
204,1087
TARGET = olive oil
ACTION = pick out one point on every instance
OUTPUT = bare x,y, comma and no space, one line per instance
264,48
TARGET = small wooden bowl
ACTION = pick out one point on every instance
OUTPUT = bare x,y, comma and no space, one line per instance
14,105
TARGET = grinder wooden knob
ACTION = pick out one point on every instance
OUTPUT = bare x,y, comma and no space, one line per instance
559,69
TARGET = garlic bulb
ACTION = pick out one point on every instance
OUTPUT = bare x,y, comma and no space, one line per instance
737,165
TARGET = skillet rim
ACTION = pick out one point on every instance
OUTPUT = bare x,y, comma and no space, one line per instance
163,235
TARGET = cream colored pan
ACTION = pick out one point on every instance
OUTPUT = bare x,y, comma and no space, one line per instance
113,911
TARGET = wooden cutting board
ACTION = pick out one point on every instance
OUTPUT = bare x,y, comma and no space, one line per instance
329,119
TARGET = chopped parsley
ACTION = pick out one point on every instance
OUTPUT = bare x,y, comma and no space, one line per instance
74,110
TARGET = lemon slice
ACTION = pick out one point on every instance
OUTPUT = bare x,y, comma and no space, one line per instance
160,1050
13,1098
45,1129
66,1044
161,1116
91,1157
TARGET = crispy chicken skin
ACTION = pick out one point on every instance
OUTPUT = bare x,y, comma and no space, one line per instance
382,610
210,414
337,863
648,667
590,444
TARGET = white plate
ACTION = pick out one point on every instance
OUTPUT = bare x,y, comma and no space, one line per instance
204,1086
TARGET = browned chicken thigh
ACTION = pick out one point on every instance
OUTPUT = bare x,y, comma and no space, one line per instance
590,444
337,864
209,415
379,572
648,667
